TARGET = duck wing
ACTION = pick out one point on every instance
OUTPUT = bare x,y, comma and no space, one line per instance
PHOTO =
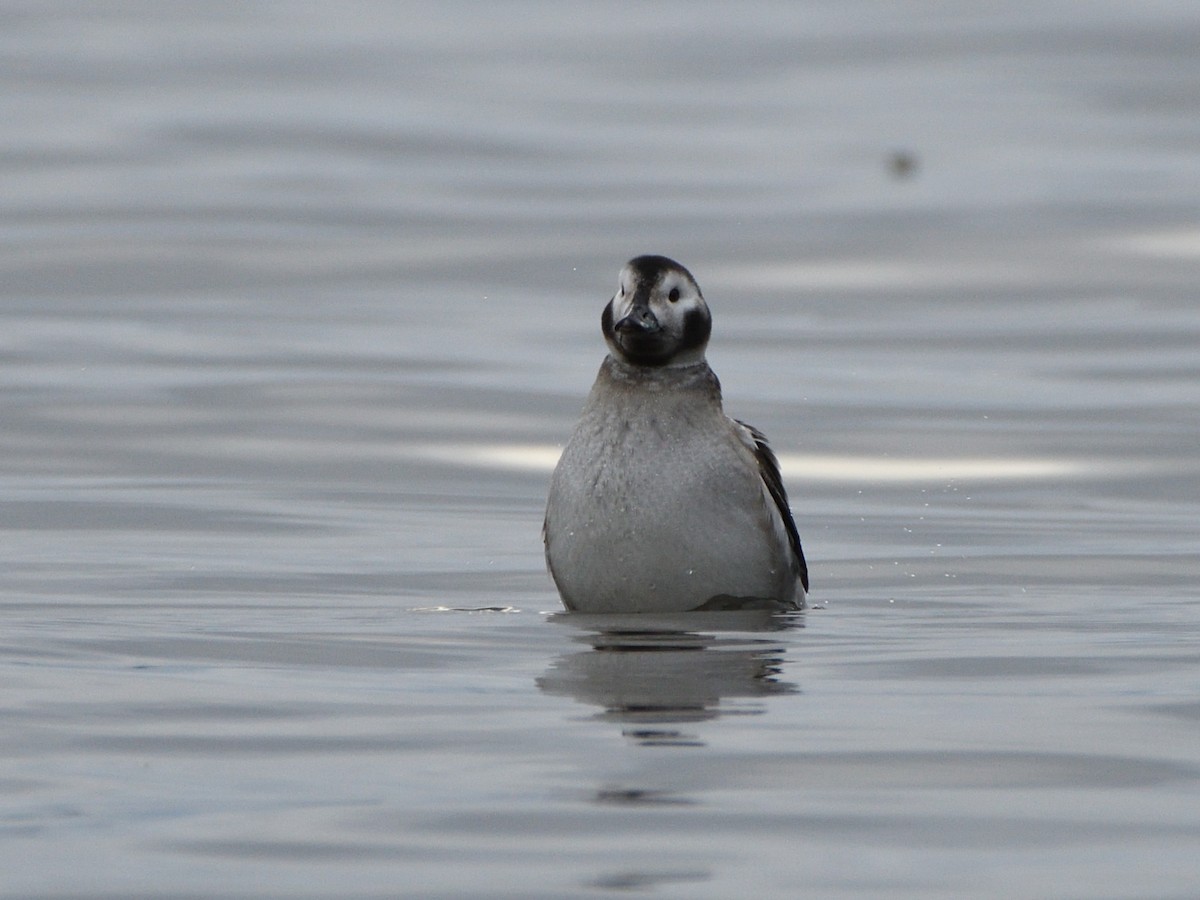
768,470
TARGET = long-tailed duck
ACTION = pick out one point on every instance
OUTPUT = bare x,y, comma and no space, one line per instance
660,502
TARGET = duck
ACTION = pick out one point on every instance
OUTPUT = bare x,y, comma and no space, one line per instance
660,502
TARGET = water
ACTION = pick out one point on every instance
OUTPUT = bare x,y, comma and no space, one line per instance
297,303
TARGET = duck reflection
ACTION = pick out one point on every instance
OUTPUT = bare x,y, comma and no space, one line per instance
657,674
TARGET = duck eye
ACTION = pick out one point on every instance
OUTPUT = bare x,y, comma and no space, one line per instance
674,295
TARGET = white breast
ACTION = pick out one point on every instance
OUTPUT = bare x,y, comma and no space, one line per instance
657,505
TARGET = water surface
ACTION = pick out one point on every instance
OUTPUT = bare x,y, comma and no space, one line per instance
298,303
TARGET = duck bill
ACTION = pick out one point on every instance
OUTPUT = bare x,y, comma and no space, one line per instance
640,322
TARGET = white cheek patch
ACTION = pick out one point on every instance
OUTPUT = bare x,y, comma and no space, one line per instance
687,296
622,301
621,304
676,312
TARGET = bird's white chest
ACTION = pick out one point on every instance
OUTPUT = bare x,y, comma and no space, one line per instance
655,504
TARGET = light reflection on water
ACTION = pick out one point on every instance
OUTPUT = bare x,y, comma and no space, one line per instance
796,466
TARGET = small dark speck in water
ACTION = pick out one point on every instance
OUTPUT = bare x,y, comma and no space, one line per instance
639,797
903,164
632,881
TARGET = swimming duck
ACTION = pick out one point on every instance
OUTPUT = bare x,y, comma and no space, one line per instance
660,502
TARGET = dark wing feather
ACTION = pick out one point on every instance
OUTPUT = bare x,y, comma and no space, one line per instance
769,466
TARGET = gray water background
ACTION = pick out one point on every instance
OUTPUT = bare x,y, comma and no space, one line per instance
298,300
